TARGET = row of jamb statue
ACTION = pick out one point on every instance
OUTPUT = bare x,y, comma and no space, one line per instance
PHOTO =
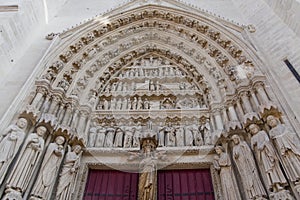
19,178
286,142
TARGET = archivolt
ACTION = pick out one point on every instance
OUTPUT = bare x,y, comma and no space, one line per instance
95,49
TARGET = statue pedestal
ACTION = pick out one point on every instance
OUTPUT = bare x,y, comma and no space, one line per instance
12,195
283,194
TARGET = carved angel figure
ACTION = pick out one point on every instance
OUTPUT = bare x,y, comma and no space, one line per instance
10,141
228,182
68,175
28,160
267,158
243,158
289,146
49,169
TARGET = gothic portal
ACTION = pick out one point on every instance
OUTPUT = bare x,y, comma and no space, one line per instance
150,92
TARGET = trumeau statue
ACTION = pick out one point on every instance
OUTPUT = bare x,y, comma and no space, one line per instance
50,166
68,174
289,146
222,163
147,182
28,160
10,141
243,158
266,154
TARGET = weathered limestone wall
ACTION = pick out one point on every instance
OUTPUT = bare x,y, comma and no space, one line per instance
288,11
22,43
275,41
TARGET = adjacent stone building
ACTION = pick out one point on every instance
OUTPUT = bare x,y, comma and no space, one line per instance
152,99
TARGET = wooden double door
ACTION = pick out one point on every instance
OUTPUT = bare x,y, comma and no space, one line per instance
171,185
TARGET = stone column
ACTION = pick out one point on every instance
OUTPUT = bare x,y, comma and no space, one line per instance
225,116
82,122
75,119
68,115
218,120
255,100
40,92
60,113
54,105
262,93
232,114
240,109
45,106
246,102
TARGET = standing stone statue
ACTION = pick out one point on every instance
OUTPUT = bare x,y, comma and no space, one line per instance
189,137
243,158
267,158
197,135
134,103
129,131
49,169
289,146
161,135
28,161
137,135
204,129
222,163
139,105
110,135
92,136
170,136
105,105
101,133
147,177
10,141
68,174
119,137
180,135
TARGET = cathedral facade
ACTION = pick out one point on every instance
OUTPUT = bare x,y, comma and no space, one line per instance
152,100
